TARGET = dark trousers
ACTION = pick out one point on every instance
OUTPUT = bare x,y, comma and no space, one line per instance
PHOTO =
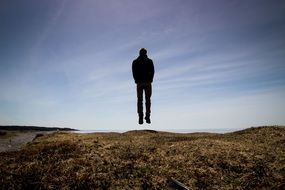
146,88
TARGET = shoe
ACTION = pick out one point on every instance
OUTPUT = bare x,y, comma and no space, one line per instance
147,119
140,120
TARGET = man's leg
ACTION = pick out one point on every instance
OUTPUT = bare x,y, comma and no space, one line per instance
148,92
140,102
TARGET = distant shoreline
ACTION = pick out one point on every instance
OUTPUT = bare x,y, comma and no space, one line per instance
13,137
182,131
33,128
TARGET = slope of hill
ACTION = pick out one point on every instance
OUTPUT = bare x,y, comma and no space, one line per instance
247,159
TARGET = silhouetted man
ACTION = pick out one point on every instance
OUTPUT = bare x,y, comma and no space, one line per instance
143,72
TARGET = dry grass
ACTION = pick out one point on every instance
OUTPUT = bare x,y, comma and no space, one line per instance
248,159
7,134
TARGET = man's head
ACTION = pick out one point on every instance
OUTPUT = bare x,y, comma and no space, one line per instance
143,51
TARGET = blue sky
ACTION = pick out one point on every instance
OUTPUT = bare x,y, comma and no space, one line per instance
67,63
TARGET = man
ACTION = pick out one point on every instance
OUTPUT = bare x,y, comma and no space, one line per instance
143,72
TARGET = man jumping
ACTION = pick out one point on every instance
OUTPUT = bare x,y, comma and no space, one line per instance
143,72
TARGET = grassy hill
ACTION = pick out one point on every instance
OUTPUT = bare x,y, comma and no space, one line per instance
249,159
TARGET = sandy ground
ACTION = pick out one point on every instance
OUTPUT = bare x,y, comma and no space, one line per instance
14,140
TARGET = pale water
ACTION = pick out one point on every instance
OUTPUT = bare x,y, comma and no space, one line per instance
221,130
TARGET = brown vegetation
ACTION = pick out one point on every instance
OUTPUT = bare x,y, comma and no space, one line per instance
3,133
250,159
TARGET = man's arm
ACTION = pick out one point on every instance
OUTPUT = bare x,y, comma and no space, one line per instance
134,70
151,70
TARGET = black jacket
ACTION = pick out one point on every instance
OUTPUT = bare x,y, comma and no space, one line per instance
143,69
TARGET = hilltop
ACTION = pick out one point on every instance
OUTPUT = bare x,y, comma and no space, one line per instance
249,159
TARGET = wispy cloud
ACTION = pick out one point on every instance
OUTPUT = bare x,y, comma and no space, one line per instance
44,34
